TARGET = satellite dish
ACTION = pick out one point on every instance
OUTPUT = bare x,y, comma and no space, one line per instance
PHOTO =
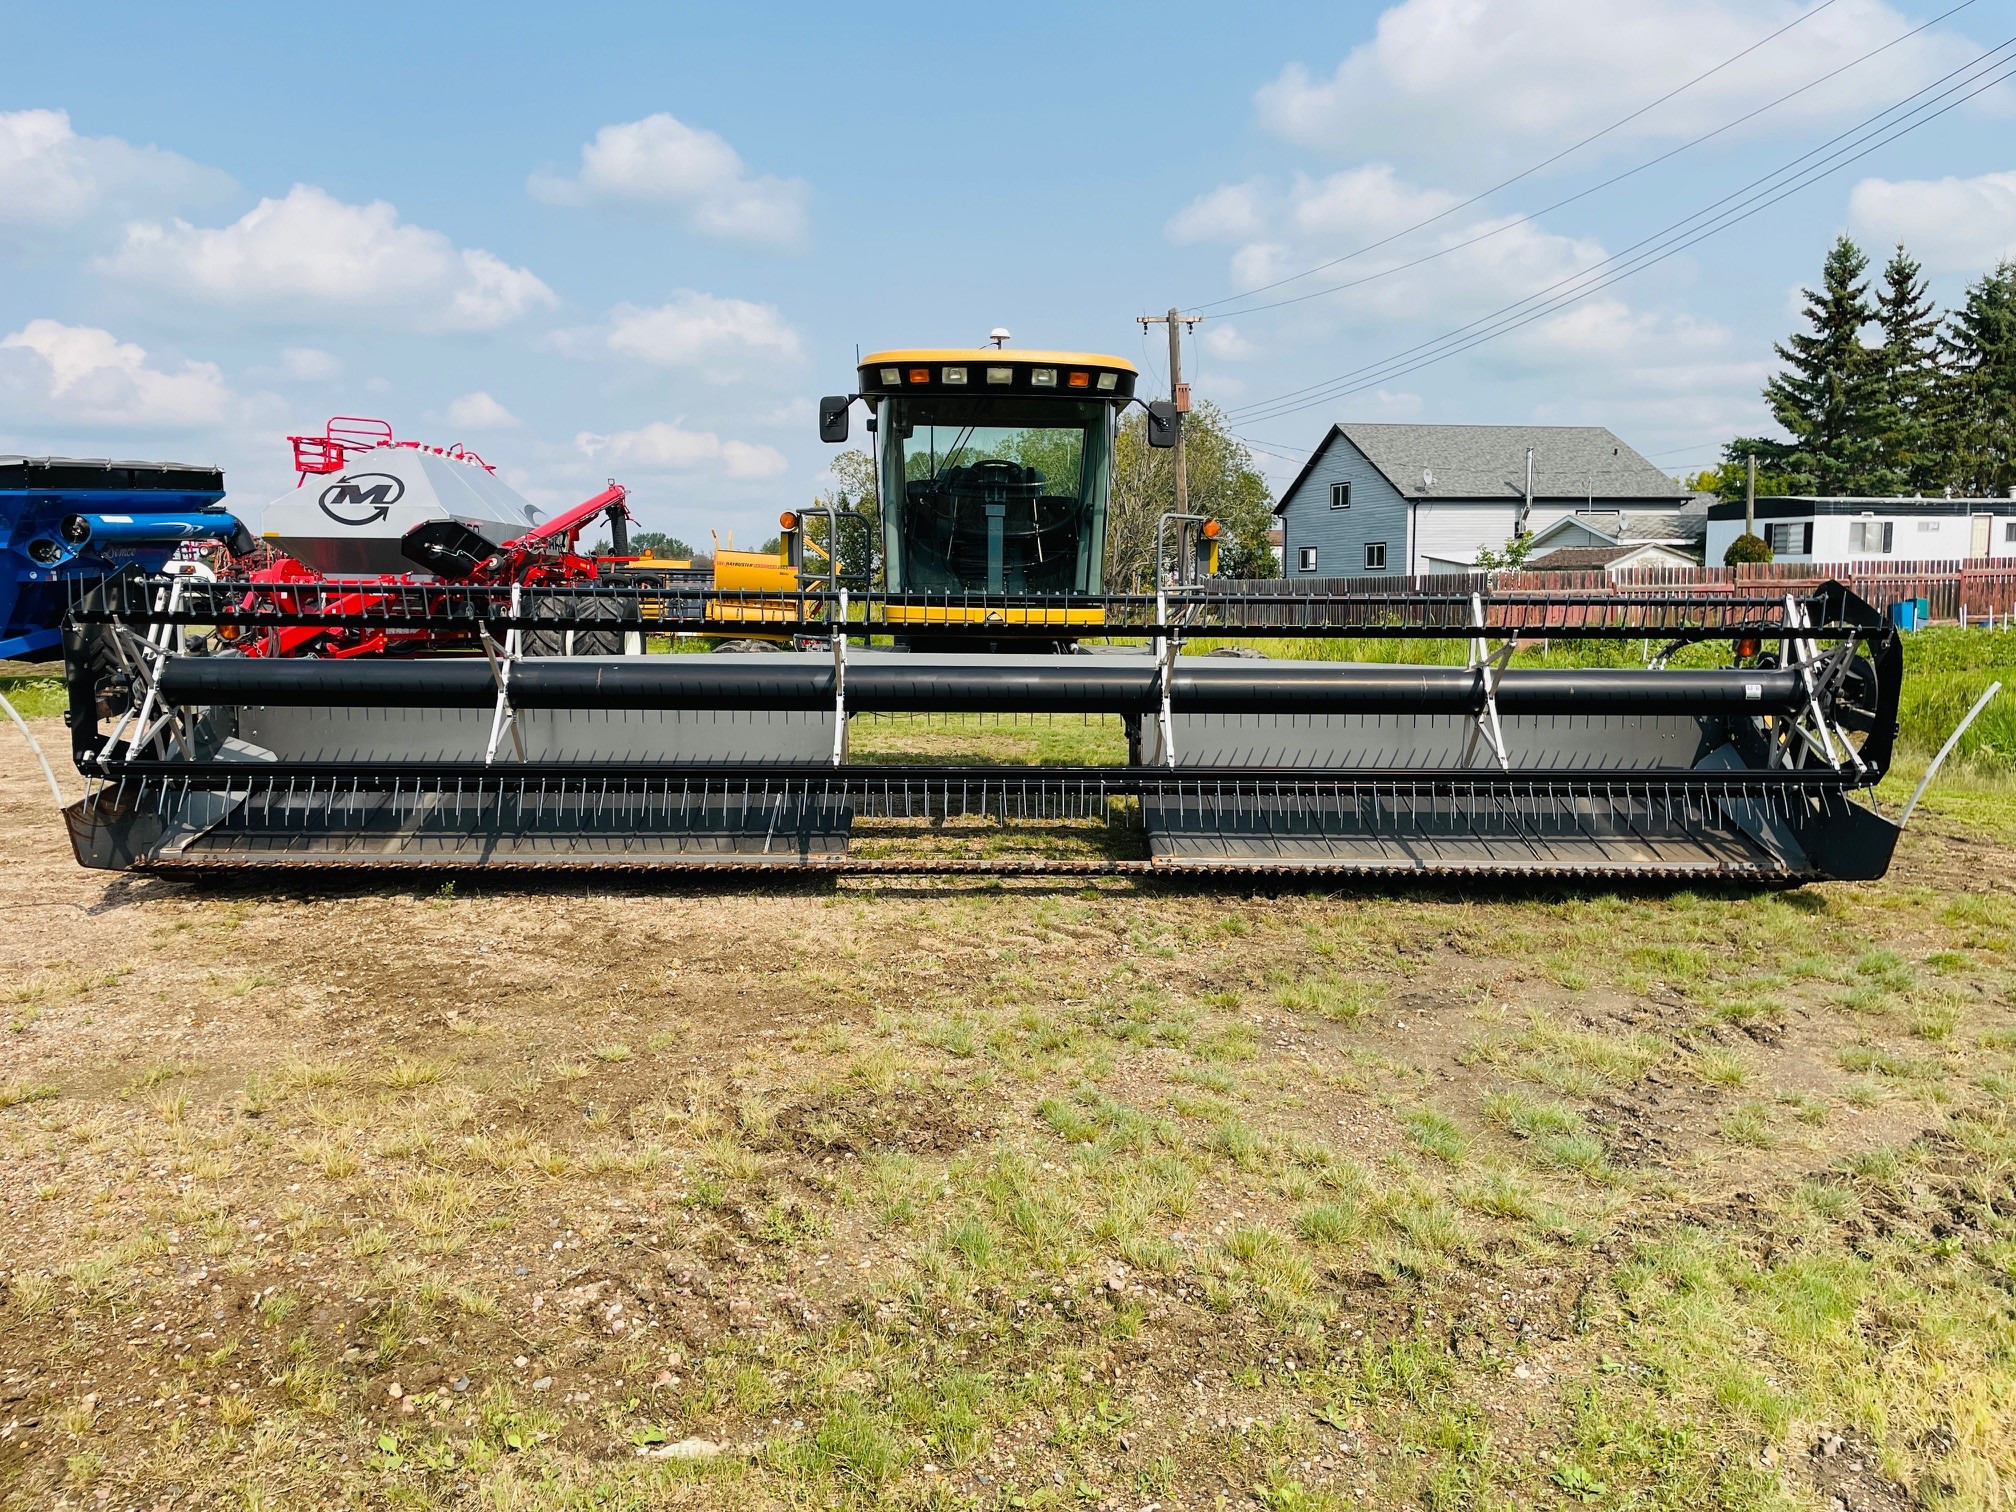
1427,477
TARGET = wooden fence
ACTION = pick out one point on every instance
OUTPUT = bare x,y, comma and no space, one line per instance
1982,593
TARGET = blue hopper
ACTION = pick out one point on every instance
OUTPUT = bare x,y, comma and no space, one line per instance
68,522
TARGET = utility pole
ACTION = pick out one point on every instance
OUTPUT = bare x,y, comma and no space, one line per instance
1179,395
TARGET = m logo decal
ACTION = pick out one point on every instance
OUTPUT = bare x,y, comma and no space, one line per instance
368,497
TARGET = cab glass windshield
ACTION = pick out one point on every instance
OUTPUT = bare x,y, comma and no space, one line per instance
994,494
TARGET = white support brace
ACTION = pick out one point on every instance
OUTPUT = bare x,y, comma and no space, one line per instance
839,638
151,650
1944,751
1490,666
502,660
1491,669
1165,722
1804,651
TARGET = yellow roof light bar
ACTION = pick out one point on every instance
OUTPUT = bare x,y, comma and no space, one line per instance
997,370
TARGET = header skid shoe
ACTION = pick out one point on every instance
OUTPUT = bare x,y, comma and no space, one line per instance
1745,763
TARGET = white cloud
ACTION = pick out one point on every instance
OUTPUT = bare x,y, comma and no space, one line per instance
661,162
666,447
309,365
694,330
311,254
1953,225
51,178
1383,405
1228,344
792,414
1604,331
1601,360
1474,263
1365,203
85,376
1260,263
1231,212
722,339
478,411
1655,377
1491,77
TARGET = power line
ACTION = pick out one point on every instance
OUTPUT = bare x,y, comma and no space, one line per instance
1272,450
1645,253
1582,194
1547,162
1397,368
1680,450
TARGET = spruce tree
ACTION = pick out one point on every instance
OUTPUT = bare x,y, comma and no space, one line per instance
1908,426
1829,399
1979,386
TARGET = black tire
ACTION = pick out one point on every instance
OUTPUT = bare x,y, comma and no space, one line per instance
585,606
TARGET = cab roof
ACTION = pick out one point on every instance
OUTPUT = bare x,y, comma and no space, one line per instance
997,372
997,354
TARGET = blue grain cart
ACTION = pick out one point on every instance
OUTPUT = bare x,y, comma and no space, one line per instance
66,522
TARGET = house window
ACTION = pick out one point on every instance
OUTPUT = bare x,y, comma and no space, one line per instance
1790,540
1305,559
1871,537
1340,495
1375,556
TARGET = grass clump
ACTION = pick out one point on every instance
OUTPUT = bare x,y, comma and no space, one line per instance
17,1094
1434,1134
1579,1063
1331,1223
1330,995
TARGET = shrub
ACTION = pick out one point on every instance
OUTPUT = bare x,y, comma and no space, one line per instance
1746,548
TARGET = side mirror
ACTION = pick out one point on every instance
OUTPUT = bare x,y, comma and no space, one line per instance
1162,424
833,418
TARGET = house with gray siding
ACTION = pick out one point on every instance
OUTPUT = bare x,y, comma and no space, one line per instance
1414,499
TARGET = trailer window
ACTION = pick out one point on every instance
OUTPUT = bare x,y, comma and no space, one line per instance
1789,540
1871,537
995,493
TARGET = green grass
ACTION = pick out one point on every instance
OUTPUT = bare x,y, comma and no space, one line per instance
1066,1186
35,695
1434,1134
1330,995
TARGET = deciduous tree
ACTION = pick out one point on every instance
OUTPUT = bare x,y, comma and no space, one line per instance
1224,484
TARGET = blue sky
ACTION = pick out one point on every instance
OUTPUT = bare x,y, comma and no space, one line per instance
641,241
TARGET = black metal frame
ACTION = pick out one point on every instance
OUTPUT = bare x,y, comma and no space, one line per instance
1765,815
466,610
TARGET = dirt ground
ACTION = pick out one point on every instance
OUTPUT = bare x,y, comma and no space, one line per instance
1004,1195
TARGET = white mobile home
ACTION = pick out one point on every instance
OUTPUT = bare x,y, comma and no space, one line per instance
1846,529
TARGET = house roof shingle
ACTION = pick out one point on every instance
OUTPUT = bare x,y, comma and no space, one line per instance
1489,462
1582,558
